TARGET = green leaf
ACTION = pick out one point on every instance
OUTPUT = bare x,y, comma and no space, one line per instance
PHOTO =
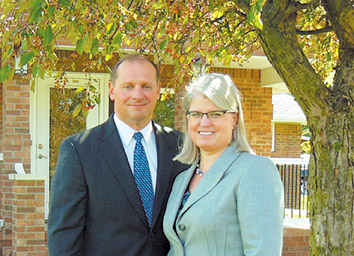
251,14
48,36
77,110
4,3
117,40
134,24
163,44
64,3
41,32
35,14
260,4
5,72
110,27
128,26
8,9
95,45
24,45
23,6
81,28
12,73
80,44
217,14
35,69
41,71
33,85
26,57
36,9
35,4
51,11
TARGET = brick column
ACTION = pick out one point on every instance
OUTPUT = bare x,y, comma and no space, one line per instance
28,220
180,113
15,146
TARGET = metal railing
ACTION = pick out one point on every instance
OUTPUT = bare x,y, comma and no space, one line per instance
295,181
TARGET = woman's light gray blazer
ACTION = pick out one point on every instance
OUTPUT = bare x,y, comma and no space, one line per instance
236,209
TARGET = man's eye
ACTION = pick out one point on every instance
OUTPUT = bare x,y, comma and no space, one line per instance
127,86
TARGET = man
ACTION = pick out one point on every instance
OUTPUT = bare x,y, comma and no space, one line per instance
98,206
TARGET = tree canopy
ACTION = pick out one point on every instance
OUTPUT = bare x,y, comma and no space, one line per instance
181,30
304,40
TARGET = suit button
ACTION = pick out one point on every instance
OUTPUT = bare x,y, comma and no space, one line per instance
182,227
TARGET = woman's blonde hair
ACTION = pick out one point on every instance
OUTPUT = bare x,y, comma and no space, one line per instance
220,90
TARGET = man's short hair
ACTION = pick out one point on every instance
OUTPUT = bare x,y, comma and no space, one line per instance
133,57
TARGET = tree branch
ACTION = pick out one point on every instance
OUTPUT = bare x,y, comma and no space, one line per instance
341,15
309,6
285,53
314,32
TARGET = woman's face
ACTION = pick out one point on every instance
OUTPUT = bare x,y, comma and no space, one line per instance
211,135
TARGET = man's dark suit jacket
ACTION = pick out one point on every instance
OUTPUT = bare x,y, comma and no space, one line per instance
95,207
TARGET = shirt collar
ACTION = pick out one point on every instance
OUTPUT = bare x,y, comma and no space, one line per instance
126,132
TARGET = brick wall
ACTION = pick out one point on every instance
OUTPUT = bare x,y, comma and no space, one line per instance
28,224
287,140
257,108
296,242
15,145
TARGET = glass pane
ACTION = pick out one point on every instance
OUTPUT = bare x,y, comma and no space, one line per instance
62,123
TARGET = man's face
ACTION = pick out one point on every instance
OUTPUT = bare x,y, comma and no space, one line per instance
135,92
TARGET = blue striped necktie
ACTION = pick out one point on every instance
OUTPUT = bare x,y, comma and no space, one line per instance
143,177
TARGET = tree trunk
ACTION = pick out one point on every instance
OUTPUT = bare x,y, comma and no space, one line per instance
332,186
330,115
332,167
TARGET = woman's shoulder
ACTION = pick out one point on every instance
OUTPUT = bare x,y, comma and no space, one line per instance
257,167
253,158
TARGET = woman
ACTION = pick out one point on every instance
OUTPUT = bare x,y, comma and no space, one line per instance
230,201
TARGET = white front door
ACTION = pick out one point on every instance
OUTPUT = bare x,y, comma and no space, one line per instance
52,118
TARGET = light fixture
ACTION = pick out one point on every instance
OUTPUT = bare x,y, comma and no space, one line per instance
20,70
199,66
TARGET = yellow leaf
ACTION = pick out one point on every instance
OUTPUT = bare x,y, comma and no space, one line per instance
77,110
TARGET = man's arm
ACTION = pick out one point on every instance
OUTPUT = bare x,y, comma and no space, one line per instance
68,204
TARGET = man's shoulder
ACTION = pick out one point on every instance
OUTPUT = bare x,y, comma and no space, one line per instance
89,135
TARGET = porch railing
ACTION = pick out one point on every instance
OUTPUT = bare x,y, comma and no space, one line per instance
295,181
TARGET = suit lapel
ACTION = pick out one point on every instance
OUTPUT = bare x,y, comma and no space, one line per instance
113,152
212,177
165,153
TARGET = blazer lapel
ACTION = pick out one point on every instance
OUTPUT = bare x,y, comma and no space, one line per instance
179,188
113,152
165,153
212,177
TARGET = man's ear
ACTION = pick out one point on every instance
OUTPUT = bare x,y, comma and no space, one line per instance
111,90
159,90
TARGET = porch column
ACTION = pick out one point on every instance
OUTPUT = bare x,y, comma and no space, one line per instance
28,220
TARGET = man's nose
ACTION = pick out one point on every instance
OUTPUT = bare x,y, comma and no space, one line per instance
138,92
